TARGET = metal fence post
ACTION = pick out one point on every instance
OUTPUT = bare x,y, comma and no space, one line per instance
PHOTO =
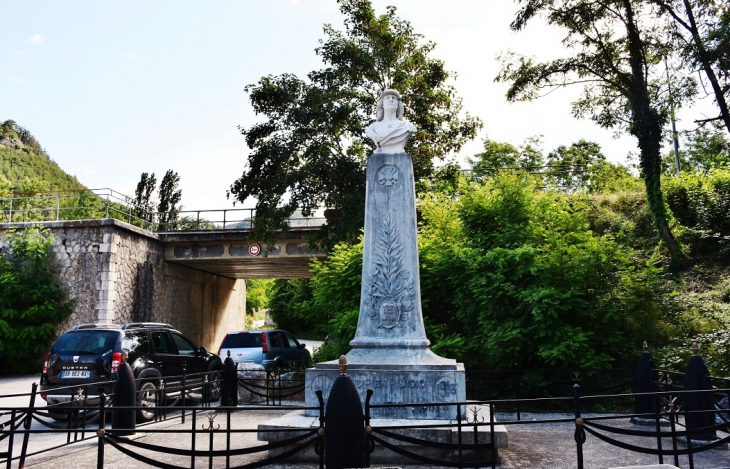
11,438
192,445
26,425
518,380
368,430
491,435
320,431
10,212
58,206
674,431
658,409
184,393
228,438
107,206
101,432
688,429
580,433
458,433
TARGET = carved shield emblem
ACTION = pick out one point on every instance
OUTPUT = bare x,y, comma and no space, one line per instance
388,176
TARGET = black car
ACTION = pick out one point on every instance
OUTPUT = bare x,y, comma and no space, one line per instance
91,354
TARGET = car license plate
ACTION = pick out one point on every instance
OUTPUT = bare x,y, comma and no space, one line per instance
76,374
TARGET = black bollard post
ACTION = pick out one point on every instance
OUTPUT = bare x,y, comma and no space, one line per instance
646,374
345,440
229,390
125,395
699,407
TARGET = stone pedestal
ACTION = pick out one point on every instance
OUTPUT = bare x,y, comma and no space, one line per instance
390,353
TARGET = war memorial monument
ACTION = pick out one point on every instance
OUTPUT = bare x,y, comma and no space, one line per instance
390,352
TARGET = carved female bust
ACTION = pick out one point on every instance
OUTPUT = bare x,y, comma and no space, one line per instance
390,131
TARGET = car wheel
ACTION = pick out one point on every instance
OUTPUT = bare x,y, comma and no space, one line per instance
147,399
216,385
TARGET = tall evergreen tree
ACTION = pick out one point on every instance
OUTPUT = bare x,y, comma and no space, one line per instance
143,195
170,197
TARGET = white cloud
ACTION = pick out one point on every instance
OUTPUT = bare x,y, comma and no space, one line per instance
130,55
36,40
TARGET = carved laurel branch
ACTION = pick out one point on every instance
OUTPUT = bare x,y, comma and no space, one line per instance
388,278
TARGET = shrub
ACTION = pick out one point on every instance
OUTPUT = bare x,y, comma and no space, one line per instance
32,301
531,283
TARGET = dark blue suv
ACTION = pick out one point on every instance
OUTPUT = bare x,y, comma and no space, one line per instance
90,354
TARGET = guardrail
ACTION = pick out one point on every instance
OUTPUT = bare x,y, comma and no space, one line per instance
94,204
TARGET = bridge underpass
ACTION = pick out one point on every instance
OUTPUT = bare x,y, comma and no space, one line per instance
118,273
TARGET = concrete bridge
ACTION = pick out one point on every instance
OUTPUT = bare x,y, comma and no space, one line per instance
196,280
231,254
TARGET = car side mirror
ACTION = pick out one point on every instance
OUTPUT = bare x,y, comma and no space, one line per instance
203,351
302,346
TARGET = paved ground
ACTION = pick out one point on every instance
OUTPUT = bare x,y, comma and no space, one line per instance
530,446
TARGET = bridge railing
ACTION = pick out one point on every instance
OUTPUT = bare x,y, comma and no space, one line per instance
222,219
95,204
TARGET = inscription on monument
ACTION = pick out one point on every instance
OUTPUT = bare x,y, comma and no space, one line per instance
389,314
444,390
387,199
323,383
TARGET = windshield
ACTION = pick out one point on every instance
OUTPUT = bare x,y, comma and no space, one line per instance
86,342
241,341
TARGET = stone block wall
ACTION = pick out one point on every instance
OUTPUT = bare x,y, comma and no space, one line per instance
117,273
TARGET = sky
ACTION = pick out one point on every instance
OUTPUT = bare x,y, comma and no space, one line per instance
114,89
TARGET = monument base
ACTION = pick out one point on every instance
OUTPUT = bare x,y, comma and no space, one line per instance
382,455
396,376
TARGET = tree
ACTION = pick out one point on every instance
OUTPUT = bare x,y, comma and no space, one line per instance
32,301
618,46
143,205
170,197
570,165
501,155
258,294
311,150
709,148
703,35
290,306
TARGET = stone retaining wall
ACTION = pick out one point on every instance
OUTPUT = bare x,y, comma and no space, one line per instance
117,273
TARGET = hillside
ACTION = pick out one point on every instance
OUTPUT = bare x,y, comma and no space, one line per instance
25,166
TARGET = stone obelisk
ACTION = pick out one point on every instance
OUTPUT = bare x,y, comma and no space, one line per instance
390,352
